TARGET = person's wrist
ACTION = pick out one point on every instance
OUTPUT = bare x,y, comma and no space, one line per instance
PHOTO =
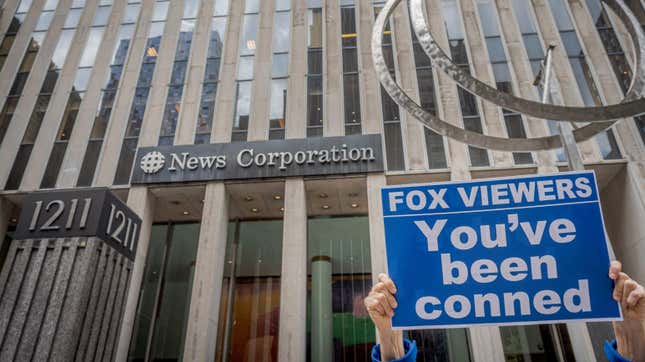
391,344
629,337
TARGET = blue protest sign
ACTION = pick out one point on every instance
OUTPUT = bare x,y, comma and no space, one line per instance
500,251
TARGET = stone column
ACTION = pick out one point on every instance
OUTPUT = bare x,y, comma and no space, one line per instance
293,285
334,115
143,203
520,67
448,107
411,129
261,89
563,73
63,287
491,116
201,332
321,309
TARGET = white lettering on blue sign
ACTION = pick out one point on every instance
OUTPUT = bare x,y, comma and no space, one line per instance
501,251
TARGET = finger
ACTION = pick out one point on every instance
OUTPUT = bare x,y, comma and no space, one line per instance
620,284
635,296
382,298
373,305
382,288
630,286
383,278
614,269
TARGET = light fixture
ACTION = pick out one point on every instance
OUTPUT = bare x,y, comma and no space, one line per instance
282,209
354,205
186,213
323,195
255,210
248,198
152,52
13,220
325,207
277,197
250,44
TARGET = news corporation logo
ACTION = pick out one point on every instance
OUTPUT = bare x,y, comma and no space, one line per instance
152,162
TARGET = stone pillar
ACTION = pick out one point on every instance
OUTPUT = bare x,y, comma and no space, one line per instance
486,344
293,286
201,332
63,287
321,309
491,116
143,203
334,105
412,131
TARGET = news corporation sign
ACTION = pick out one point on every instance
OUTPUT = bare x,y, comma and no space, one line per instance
263,159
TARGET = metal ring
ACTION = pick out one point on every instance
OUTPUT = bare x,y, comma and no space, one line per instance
632,105
446,129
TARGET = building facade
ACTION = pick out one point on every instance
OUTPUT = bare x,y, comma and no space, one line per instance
229,269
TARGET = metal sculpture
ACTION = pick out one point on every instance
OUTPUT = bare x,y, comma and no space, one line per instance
600,118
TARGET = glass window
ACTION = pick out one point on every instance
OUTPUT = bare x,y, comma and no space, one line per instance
50,5
251,6
101,16
523,14
62,47
279,98
25,5
251,292
315,28
242,109
44,20
249,34
488,17
280,65
245,68
164,299
131,13
82,79
281,31
221,7
160,11
282,5
190,9
339,268
73,17
91,47
451,19
561,15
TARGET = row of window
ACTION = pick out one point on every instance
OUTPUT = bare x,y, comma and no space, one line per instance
249,36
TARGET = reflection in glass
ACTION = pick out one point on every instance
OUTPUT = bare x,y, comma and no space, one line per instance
164,300
278,108
249,314
351,88
315,114
211,76
242,109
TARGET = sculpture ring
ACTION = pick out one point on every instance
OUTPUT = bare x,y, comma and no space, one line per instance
630,107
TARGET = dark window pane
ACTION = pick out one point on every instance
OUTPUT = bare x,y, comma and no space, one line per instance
86,175
53,165
435,149
352,99
426,89
394,146
124,168
19,165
